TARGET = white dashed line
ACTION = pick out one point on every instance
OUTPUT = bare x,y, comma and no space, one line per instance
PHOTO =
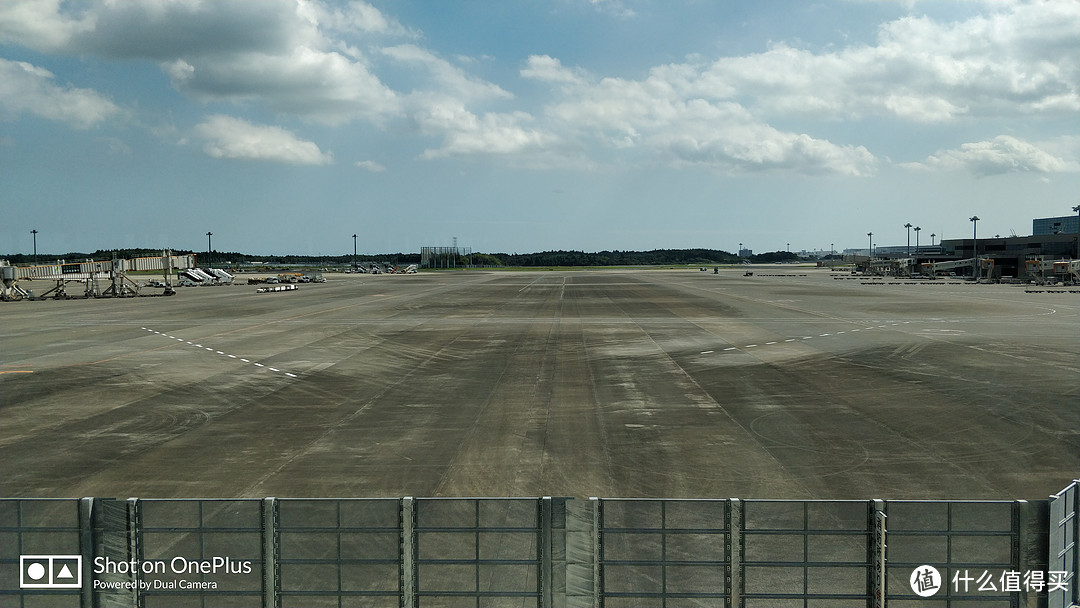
730,348
200,346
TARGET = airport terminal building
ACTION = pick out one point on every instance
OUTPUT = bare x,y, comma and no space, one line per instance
1011,257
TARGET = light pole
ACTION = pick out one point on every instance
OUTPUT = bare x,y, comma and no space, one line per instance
870,253
917,229
209,260
975,243
1077,210
354,252
932,235
908,226
34,232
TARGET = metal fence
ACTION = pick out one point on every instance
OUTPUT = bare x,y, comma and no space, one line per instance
502,552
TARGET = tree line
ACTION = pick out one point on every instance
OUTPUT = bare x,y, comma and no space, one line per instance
655,257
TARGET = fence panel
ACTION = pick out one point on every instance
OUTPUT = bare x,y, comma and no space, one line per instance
1064,551
337,552
807,554
664,552
38,527
199,552
976,547
478,552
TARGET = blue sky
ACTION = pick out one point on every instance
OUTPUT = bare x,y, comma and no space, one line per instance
287,126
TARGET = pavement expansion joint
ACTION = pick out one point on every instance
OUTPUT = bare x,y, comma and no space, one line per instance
214,350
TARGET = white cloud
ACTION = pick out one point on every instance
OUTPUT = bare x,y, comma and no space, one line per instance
467,134
658,115
39,24
1018,59
352,17
323,87
446,78
293,56
235,138
617,8
549,69
28,88
1003,154
370,165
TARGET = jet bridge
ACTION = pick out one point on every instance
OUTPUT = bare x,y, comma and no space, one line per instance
107,278
981,267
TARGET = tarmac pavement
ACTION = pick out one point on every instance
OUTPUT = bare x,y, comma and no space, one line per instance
639,383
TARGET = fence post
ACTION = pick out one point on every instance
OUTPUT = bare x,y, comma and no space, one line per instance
582,553
408,552
734,551
546,549
270,554
1031,520
1064,544
878,547
86,549
134,540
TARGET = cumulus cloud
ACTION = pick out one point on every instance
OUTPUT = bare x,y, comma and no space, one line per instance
444,77
1003,154
235,138
549,69
293,56
40,24
323,87
659,115
28,88
321,61
1018,58
465,133
370,165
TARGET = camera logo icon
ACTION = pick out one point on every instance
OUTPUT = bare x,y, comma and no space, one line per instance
50,571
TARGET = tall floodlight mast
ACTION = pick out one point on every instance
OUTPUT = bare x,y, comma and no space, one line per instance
1077,210
975,244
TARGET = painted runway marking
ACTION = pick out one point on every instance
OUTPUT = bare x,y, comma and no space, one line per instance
804,338
200,346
